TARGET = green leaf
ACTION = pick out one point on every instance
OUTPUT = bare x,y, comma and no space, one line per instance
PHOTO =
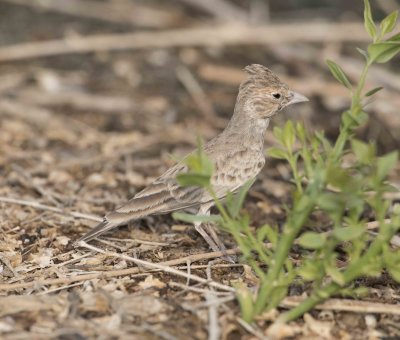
277,295
354,202
277,153
388,24
362,118
301,132
289,268
246,301
338,73
312,240
362,52
338,177
189,218
364,152
304,203
361,150
266,231
395,37
354,120
374,267
236,202
194,179
289,135
311,270
336,275
354,292
199,163
360,292
385,164
348,233
331,202
373,91
392,262
368,20
278,133
382,52
324,141
394,273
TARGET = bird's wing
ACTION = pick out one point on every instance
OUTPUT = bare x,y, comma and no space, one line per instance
165,194
162,196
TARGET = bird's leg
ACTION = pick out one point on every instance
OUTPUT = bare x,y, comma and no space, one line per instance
200,227
207,231
210,230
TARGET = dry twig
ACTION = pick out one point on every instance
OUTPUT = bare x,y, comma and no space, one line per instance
158,266
116,273
209,36
78,100
347,305
199,96
40,206
120,12
221,9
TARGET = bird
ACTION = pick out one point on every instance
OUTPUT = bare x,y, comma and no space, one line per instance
237,155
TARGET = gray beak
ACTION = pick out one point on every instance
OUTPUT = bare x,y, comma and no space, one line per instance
296,98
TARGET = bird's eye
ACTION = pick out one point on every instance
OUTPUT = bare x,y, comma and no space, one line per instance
276,95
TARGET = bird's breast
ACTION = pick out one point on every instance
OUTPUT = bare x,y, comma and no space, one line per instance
235,168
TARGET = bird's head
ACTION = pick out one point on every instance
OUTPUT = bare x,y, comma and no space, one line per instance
263,94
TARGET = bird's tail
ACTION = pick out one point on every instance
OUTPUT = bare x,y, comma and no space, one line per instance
101,228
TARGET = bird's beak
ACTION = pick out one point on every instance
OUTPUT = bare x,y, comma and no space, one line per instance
296,98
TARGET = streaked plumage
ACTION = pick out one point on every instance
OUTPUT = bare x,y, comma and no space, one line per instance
237,154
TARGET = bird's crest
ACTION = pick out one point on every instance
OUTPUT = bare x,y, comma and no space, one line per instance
260,73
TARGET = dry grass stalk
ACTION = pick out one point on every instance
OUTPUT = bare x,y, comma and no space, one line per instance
211,36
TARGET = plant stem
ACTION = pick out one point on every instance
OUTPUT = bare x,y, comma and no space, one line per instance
309,303
297,179
346,129
361,83
218,203
284,245
355,269
301,212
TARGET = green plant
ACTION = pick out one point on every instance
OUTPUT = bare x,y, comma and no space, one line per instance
344,192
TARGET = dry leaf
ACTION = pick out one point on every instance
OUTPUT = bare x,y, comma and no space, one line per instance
140,305
249,275
279,331
43,258
321,328
151,282
110,322
62,240
94,302
13,304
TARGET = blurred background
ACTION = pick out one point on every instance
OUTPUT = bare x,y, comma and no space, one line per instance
98,98
97,95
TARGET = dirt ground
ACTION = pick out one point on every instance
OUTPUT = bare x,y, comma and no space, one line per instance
83,132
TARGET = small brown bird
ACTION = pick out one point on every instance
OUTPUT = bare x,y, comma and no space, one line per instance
237,154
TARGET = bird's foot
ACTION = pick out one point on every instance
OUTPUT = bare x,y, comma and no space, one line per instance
207,231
